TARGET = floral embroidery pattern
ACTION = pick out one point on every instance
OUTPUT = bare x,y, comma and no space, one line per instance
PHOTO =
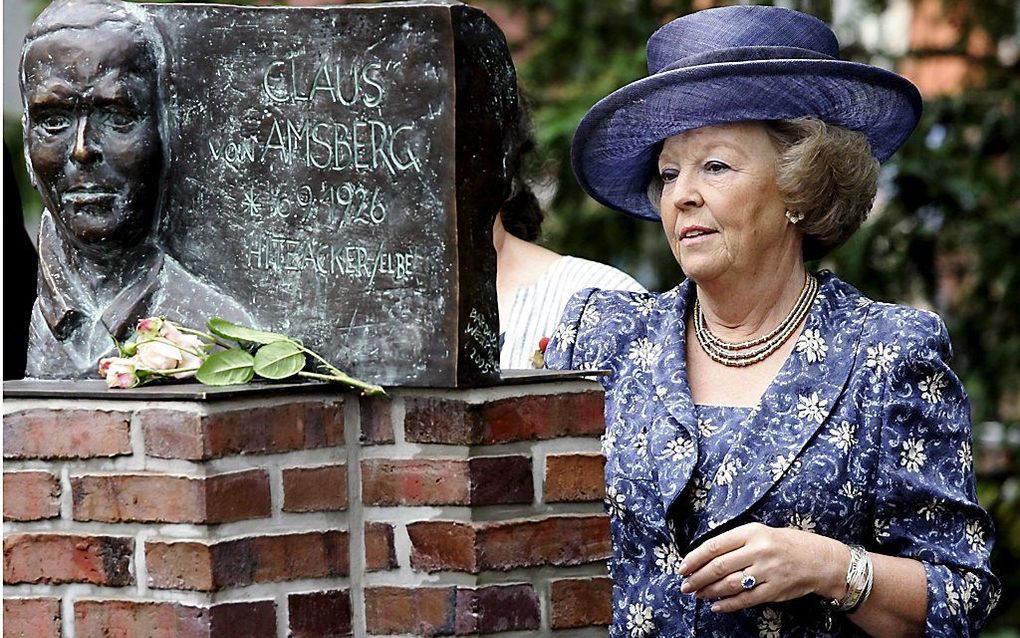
931,387
639,620
590,317
564,336
644,353
770,623
643,305
615,502
842,435
680,448
812,345
913,457
667,558
811,408
966,458
882,356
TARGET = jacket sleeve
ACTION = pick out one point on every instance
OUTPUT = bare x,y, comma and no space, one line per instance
926,503
575,345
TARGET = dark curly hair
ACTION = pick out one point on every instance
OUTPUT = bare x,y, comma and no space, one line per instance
522,214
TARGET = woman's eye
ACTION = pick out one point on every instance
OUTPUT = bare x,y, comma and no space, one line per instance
667,175
54,123
715,166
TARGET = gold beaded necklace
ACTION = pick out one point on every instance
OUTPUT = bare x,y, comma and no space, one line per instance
745,353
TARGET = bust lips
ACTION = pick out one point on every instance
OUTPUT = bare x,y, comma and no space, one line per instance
88,197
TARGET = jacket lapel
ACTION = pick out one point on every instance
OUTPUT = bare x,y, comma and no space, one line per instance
672,442
793,408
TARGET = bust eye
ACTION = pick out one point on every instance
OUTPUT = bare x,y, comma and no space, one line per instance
715,167
119,120
667,175
54,122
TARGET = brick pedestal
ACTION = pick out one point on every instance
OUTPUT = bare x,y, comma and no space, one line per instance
423,513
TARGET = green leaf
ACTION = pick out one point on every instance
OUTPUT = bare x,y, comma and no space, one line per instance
228,367
226,330
279,360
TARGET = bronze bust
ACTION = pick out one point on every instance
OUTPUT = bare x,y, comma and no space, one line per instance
96,145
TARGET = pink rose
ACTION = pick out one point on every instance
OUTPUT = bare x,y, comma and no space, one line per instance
149,327
191,348
120,372
158,355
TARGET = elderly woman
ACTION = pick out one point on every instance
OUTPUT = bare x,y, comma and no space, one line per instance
785,457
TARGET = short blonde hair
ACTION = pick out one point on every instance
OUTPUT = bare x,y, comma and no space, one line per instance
825,172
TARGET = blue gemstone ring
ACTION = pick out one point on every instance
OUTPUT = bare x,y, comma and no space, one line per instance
747,581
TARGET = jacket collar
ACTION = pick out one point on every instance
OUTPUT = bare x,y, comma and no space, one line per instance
66,301
790,412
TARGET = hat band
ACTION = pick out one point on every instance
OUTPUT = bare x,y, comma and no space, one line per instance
744,54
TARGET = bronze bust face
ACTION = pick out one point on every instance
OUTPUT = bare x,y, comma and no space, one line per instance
93,133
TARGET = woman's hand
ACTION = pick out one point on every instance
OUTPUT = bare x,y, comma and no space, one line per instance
785,563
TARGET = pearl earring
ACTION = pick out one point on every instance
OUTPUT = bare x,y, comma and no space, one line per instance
794,217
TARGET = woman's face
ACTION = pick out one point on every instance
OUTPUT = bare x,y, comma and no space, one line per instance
721,209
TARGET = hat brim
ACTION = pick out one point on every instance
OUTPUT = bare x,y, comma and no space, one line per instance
614,148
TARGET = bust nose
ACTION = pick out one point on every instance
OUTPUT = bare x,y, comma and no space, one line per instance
85,150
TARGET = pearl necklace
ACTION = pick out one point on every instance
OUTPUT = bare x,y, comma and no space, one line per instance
745,353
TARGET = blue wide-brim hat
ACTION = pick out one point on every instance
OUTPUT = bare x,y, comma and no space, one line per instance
733,64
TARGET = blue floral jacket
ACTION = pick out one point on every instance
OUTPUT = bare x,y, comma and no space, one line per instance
864,436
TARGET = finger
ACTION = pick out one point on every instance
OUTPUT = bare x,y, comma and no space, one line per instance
746,598
718,569
715,546
731,585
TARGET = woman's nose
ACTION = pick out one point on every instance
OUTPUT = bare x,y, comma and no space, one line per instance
85,150
686,193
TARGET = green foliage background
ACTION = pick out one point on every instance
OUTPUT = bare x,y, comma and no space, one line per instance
951,211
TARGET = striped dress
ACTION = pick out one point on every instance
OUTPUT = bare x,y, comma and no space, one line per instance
536,309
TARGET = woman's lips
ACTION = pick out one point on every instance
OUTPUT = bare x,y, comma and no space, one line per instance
694,234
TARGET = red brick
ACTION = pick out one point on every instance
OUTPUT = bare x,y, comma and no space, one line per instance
117,498
581,602
574,478
67,558
240,562
443,545
180,565
501,480
421,611
263,430
163,498
315,489
66,434
376,420
322,614
107,618
560,540
254,619
415,482
474,547
237,496
380,552
497,608
31,496
130,618
31,617
525,418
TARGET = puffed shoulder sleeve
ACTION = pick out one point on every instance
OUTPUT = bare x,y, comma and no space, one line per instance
926,503
576,344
